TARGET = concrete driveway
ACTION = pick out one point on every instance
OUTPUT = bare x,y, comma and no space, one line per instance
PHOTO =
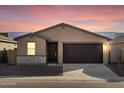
89,72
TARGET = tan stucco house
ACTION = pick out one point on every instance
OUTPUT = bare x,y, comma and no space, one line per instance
5,44
117,49
62,43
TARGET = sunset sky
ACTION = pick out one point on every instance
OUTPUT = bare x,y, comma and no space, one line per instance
33,18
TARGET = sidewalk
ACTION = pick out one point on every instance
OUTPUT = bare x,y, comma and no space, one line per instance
54,83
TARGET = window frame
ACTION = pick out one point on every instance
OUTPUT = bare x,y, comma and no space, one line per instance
30,48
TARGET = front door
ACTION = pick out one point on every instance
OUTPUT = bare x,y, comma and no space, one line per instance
52,52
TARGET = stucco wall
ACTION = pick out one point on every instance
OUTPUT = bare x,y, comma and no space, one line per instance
40,45
70,35
115,50
40,49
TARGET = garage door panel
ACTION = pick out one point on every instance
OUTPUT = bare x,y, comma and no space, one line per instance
82,53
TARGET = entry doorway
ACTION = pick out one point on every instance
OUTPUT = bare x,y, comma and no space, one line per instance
52,52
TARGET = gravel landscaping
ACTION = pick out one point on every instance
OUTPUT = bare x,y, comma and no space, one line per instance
118,69
30,70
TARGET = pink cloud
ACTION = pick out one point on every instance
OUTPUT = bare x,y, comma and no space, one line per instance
33,18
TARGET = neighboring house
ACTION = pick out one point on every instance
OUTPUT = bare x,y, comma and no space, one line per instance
117,49
5,44
62,43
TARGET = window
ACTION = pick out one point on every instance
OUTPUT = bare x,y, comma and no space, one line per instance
31,48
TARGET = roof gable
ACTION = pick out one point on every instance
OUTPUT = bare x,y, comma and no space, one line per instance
60,25
68,25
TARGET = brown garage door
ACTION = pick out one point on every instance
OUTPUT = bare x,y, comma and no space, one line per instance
82,53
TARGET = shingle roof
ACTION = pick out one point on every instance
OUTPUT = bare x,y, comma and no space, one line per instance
65,24
61,24
118,39
29,34
6,39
